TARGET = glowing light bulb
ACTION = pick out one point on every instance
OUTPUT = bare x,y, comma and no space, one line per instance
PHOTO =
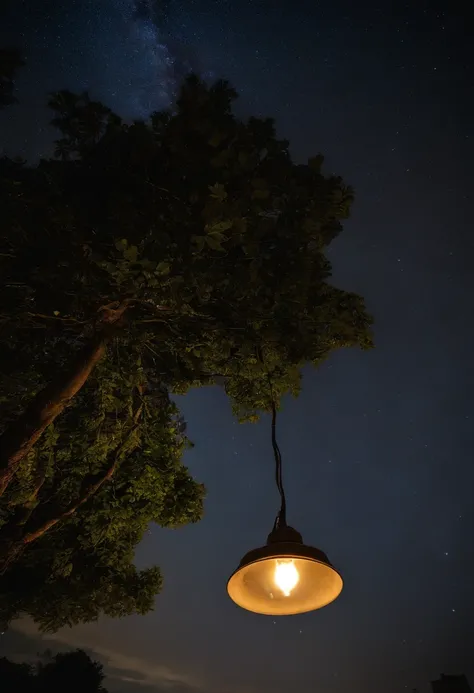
286,576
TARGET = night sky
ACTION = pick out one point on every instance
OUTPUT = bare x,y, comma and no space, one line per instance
378,449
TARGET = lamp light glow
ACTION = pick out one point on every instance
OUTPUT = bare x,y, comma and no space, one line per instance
284,577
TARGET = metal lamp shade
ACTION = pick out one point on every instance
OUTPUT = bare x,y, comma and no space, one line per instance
253,585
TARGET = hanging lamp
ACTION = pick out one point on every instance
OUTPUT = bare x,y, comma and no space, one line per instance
285,576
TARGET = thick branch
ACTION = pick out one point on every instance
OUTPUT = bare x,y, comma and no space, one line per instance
57,318
18,439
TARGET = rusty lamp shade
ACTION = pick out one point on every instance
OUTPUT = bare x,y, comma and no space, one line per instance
284,577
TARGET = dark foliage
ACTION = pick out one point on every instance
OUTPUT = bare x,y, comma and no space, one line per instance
74,672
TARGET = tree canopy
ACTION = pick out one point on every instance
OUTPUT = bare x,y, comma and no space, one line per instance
146,258
72,671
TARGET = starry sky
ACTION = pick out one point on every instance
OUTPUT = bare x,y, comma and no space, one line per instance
378,448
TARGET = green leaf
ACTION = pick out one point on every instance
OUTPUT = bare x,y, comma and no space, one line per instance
218,228
216,139
214,241
260,194
131,253
218,192
199,242
122,244
163,268
221,159
148,264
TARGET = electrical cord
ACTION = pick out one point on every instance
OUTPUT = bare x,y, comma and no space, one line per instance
280,520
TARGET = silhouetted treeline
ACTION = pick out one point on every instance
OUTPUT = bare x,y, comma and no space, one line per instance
74,672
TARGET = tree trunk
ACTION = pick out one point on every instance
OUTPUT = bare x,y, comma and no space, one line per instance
18,439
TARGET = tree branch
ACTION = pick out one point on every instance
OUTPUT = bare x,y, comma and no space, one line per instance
90,490
56,317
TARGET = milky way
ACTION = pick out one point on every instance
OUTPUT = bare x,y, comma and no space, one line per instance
130,54
136,67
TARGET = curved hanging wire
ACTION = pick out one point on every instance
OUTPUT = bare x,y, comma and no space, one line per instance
280,520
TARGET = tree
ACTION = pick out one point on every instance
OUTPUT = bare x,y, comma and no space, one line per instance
72,671
15,676
10,63
164,255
